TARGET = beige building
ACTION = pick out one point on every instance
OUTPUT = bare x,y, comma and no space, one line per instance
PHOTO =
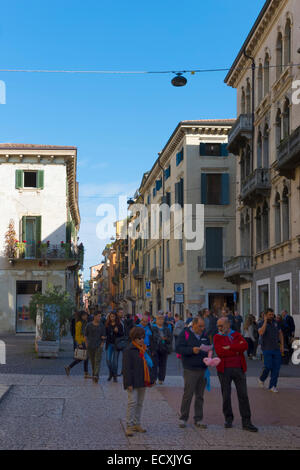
38,227
267,262
193,168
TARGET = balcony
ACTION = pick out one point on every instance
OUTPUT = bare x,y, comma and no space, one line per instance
288,155
255,186
156,275
240,133
238,267
46,252
208,264
138,272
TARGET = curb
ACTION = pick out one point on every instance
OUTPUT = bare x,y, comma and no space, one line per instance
3,395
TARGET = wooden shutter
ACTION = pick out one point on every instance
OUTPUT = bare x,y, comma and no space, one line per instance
225,188
68,232
176,193
224,151
23,229
214,247
202,148
181,197
203,189
19,179
38,228
40,179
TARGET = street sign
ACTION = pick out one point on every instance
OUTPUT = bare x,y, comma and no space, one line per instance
148,285
179,287
179,298
148,295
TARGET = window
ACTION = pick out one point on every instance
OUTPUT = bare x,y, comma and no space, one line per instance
168,254
263,297
213,149
287,42
258,230
285,215
154,192
277,219
180,245
265,226
259,83
31,233
279,56
266,75
215,188
286,118
29,179
278,128
179,157
179,192
168,172
24,291
246,302
243,101
248,97
266,147
214,247
283,296
158,184
259,150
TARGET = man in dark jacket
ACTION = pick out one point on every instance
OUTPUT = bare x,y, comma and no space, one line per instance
193,345
230,347
163,347
95,335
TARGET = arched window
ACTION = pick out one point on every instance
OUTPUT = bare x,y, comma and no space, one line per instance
248,161
285,215
277,219
243,166
259,84
258,230
243,102
247,235
266,74
259,150
286,118
279,56
265,226
266,147
278,129
287,42
248,98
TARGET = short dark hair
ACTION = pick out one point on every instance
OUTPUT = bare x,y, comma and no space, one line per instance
137,333
269,309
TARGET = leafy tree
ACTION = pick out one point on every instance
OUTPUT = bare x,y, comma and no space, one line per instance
55,297
10,240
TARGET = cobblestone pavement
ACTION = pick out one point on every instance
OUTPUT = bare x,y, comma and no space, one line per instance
42,408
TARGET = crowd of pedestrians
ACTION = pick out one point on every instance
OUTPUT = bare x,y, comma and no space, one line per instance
145,342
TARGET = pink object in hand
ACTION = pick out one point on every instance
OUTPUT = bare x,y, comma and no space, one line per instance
211,361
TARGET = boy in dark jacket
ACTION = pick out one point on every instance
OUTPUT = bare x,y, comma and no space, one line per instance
193,346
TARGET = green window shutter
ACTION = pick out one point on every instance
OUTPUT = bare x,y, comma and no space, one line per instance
203,188
225,188
38,229
23,229
68,232
19,179
181,192
202,148
224,151
40,179
214,247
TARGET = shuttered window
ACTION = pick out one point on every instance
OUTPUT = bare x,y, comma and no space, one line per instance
179,193
168,172
215,188
179,157
214,247
213,149
30,179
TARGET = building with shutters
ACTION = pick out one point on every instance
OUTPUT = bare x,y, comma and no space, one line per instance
266,140
193,168
38,227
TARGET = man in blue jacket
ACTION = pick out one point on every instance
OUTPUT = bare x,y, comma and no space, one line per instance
193,345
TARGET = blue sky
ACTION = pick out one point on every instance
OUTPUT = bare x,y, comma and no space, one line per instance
118,122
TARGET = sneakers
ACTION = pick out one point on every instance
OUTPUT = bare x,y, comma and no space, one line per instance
160,382
129,432
95,380
249,427
273,389
228,425
67,369
138,428
200,425
261,383
182,423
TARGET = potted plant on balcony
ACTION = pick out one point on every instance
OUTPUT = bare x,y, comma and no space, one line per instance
51,311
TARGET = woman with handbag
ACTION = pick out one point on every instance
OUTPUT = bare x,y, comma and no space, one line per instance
137,375
114,330
80,353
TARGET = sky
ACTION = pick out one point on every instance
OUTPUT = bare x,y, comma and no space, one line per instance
119,123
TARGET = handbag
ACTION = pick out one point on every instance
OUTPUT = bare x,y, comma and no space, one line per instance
80,354
121,343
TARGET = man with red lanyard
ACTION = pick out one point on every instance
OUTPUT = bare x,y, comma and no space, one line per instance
230,346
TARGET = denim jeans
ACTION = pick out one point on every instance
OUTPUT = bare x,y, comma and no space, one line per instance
272,363
112,356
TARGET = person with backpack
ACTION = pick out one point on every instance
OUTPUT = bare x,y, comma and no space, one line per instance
163,347
193,346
